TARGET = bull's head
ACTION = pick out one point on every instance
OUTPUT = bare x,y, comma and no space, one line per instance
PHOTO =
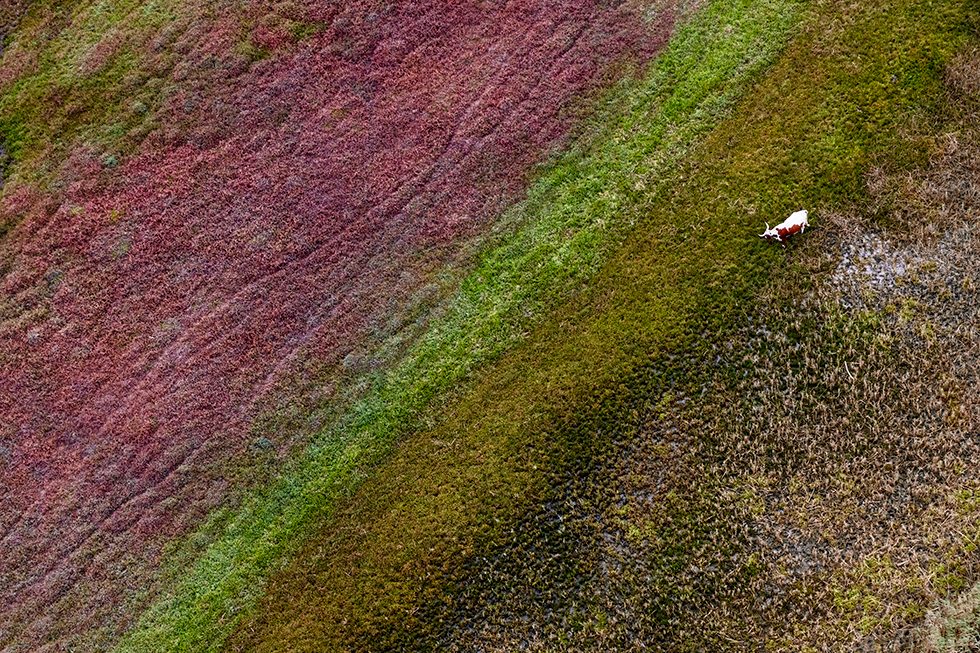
772,234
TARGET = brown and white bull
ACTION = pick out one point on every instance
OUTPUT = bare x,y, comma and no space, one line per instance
794,224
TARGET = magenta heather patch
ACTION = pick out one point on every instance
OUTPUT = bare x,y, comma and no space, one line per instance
146,317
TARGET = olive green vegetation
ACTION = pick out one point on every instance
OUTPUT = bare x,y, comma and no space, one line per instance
548,247
80,77
859,85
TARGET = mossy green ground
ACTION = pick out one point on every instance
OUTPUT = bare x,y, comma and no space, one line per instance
855,87
81,76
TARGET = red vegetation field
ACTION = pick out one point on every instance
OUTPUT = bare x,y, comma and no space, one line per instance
285,212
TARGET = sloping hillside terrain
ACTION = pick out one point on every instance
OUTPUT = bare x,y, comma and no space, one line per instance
295,189
445,326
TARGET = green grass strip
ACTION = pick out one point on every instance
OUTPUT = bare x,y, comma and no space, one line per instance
580,208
